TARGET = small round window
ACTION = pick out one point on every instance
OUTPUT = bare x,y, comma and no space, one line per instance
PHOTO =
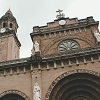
68,45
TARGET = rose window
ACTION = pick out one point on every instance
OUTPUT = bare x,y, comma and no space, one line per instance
68,45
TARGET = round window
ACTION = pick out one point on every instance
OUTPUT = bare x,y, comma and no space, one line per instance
68,45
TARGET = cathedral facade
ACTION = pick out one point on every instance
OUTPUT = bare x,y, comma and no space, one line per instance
64,64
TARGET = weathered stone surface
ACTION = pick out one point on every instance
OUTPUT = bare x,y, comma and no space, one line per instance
70,75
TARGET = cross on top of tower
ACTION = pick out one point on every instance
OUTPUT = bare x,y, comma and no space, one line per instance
60,15
59,11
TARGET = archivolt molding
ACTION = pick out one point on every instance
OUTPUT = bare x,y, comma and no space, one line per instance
67,37
14,92
66,74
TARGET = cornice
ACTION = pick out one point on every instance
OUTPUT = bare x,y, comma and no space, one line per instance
47,62
80,24
12,63
70,54
51,57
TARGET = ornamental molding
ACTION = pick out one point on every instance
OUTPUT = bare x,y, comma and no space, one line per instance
67,74
14,92
14,62
66,37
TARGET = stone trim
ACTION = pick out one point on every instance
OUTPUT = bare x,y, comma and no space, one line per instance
14,92
66,74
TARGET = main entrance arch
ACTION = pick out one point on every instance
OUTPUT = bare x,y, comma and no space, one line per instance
13,95
78,84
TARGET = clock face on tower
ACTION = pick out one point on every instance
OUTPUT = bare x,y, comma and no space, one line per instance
68,45
3,30
62,22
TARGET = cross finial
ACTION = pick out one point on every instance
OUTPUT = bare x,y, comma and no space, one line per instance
59,11
60,15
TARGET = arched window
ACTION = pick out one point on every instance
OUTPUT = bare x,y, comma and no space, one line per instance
11,25
4,25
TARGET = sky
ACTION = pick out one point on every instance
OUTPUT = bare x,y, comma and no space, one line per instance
30,13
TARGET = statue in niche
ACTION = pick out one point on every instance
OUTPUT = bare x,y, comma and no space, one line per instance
36,92
97,35
36,46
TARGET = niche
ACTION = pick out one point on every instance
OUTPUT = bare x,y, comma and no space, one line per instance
11,25
4,25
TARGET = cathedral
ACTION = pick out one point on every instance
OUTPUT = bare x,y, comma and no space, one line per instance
64,63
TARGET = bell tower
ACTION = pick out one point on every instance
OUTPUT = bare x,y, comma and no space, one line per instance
9,43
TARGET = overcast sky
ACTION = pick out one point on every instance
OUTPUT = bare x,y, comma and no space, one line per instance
30,13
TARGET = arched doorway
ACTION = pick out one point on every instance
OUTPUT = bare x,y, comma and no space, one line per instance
76,86
12,97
